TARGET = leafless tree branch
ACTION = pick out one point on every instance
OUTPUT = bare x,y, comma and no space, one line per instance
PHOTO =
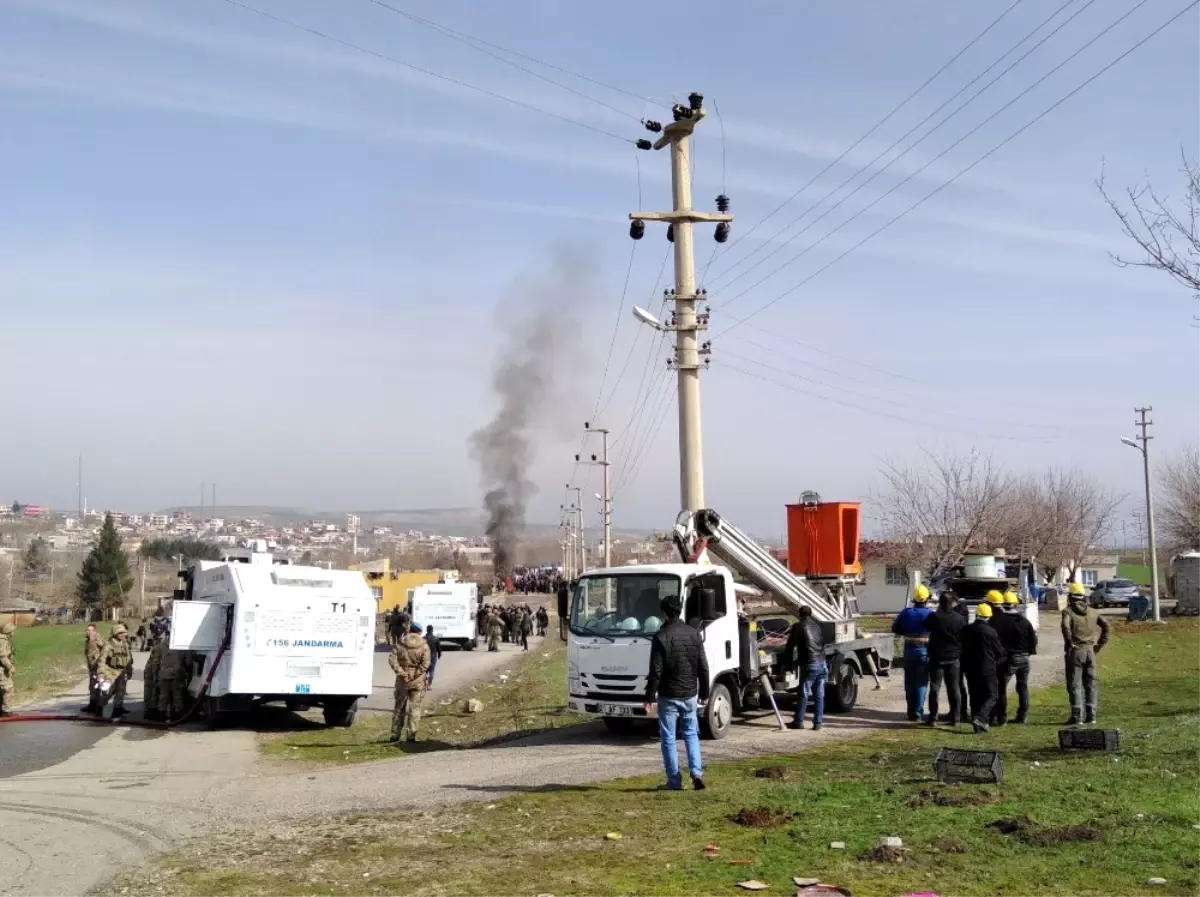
1179,499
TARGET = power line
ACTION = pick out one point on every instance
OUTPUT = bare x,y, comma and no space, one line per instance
971,166
660,416
481,46
875,127
470,37
637,334
780,247
416,68
616,328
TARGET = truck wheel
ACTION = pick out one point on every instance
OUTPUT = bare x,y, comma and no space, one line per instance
718,713
843,694
620,725
473,643
340,714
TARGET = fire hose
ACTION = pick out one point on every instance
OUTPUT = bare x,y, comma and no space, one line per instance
124,721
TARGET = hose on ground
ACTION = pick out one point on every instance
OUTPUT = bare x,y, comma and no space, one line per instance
123,720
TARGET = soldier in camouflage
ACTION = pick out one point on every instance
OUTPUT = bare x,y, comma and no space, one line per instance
150,680
410,662
495,629
6,669
92,646
113,670
173,677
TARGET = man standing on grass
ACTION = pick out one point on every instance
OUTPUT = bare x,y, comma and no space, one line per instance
6,668
982,655
678,674
1084,633
806,650
410,662
1019,639
945,626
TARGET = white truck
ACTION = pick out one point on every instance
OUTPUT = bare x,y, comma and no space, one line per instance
615,613
451,609
301,635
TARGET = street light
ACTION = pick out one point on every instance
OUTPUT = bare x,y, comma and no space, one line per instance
647,318
1142,447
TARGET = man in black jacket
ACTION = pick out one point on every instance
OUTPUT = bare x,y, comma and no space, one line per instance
1019,639
678,673
945,626
982,655
806,650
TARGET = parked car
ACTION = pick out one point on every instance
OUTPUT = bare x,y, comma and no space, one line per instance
1113,593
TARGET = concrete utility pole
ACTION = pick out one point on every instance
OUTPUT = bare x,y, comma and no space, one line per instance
1142,444
577,514
606,497
686,325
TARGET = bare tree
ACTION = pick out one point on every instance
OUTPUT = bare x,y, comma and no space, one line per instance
938,509
1179,499
1073,512
1167,232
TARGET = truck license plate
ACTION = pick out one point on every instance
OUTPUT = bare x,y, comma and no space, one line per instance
616,710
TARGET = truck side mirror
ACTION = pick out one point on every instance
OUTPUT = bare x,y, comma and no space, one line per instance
708,605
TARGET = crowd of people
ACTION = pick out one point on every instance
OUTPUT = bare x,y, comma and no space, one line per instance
511,623
531,580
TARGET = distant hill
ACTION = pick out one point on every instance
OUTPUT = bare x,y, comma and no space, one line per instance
463,522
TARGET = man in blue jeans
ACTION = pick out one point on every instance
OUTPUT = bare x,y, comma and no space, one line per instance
910,623
678,681
806,652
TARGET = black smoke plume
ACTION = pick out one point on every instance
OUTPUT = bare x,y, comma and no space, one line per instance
537,365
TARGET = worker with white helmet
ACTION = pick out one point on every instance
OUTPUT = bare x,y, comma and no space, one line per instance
910,624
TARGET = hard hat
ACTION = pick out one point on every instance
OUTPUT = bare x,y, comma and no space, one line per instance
1076,588
994,597
984,612
652,625
921,594
1012,598
119,629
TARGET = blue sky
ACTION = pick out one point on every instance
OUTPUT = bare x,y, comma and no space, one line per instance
233,251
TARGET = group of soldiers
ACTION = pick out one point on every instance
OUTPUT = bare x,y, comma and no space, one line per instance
513,624
165,678
531,580
976,661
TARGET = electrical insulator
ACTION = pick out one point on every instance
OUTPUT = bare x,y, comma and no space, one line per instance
644,144
637,228
677,112
695,100
652,126
703,292
593,457
576,457
722,203
722,232
671,233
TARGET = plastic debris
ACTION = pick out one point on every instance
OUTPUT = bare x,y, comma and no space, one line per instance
837,845
890,841
1156,880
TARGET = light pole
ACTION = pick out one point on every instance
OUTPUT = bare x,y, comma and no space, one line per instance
1144,447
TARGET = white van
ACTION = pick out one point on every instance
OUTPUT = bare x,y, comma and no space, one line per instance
450,608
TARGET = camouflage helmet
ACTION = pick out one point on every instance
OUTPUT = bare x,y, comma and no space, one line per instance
119,629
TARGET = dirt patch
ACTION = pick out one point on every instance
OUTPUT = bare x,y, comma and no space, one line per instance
951,845
1062,834
885,854
957,797
763,817
1012,825
778,773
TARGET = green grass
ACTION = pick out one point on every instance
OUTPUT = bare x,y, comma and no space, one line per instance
856,792
1139,573
533,699
48,659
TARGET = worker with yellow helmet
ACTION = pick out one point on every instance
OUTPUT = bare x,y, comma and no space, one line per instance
1084,633
982,655
910,624
1019,639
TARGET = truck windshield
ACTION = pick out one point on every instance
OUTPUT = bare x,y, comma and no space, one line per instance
622,604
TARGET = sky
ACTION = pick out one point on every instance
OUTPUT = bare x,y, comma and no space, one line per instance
236,251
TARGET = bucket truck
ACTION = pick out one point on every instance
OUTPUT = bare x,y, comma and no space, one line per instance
615,613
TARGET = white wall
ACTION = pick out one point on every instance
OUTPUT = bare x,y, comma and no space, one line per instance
875,595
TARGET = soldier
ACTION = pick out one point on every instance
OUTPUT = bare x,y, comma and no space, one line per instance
526,627
142,635
410,662
494,630
6,669
150,681
113,670
173,677
1084,633
92,646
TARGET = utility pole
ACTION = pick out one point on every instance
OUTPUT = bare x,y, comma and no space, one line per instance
1142,443
79,489
686,324
577,514
214,499
201,501
606,496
